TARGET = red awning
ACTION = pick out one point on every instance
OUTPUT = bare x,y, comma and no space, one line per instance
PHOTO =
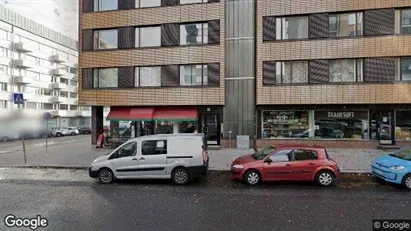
130,114
176,114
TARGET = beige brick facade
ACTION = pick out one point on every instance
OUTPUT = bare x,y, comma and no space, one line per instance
153,56
361,47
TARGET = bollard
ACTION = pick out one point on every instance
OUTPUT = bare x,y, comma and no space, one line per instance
229,139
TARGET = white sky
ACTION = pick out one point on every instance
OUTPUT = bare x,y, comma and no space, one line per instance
59,15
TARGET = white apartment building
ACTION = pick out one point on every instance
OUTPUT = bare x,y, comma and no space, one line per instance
41,64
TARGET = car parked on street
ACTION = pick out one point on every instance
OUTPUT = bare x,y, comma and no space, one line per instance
394,167
286,163
8,135
84,130
71,131
180,157
57,132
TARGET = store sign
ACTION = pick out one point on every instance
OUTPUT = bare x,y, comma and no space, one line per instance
341,114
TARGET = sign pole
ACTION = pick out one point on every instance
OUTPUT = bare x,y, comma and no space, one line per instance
19,100
47,133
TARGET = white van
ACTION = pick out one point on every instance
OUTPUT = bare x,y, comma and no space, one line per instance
180,157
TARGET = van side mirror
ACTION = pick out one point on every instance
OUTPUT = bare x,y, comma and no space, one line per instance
268,161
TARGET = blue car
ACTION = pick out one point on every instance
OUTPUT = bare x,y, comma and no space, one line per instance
394,167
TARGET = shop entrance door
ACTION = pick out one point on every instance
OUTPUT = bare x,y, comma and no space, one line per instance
210,126
382,126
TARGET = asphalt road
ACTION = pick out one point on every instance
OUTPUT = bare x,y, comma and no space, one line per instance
143,205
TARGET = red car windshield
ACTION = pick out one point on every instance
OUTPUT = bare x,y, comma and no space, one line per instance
263,153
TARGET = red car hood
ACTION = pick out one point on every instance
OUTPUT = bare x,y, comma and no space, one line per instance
244,159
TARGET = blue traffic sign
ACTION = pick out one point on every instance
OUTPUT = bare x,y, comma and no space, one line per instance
18,98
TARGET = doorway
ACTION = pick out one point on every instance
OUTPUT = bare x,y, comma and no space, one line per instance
382,126
210,125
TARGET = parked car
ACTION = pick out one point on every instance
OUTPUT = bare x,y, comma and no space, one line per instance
58,132
71,131
394,167
180,157
84,130
286,163
8,135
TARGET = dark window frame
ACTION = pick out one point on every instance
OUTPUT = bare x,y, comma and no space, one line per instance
98,79
313,153
202,31
401,68
356,77
356,24
291,74
401,23
282,29
202,74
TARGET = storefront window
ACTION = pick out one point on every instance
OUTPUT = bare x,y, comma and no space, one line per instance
403,125
161,127
285,124
341,124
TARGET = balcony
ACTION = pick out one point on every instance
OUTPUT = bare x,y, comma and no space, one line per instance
59,72
28,96
21,63
23,80
23,47
56,99
58,85
57,59
84,113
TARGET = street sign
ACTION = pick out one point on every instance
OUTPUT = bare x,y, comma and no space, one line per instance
18,98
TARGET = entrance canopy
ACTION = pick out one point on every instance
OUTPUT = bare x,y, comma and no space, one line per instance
175,114
130,114
171,114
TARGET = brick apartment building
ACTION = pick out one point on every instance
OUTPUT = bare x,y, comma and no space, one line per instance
334,73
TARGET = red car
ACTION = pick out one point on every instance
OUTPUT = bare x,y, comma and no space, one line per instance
286,163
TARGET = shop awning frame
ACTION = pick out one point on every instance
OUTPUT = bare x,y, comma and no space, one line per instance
130,114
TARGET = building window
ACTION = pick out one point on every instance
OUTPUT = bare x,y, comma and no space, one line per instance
192,75
292,28
147,3
73,70
65,81
345,70
31,105
4,70
285,124
182,2
73,107
103,5
403,125
148,36
3,86
341,124
292,72
64,94
194,33
3,103
406,69
73,95
147,77
47,106
406,21
63,107
73,82
349,24
105,39
105,78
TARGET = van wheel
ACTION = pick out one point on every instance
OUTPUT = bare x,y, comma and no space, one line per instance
324,178
406,181
58,134
5,139
106,176
180,176
252,177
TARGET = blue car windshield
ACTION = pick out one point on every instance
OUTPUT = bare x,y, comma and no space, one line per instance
404,153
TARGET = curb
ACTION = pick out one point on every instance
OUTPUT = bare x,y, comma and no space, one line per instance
47,167
86,168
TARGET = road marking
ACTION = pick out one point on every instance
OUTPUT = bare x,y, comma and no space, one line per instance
5,152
